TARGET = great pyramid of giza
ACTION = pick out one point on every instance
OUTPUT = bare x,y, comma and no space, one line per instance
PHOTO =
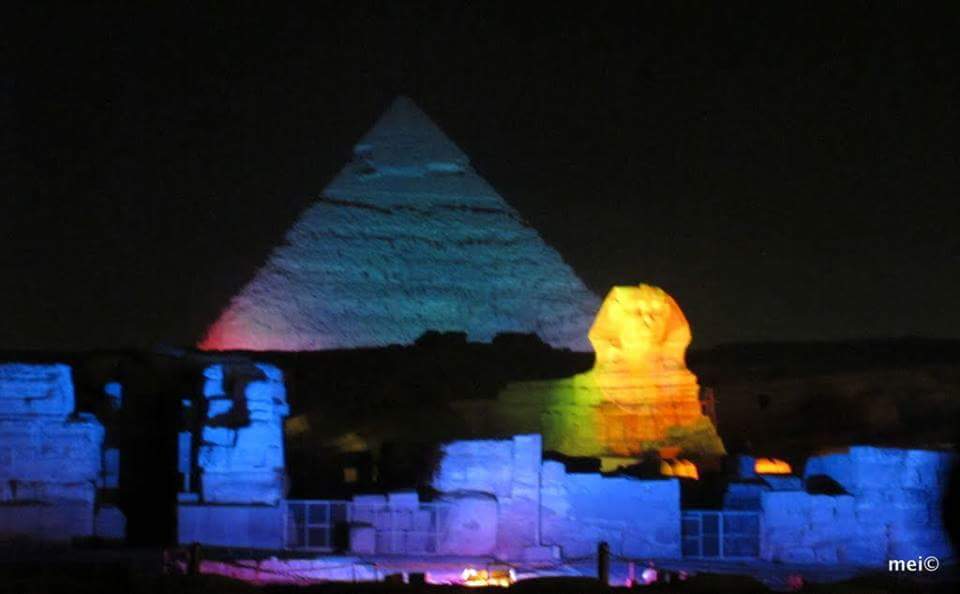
407,238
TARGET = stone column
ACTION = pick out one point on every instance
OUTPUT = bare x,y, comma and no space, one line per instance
50,456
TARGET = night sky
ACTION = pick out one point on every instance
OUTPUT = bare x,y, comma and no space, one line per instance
786,171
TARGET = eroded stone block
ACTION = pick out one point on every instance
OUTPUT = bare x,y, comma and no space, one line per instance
35,390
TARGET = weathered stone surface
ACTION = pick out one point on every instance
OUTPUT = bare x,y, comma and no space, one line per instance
406,239
243,463
110,523
638,397
49,522
49,461
892,511
35,390
476,465
363,539
472,524
538,504
239,487
403,500
598,512
239,526
61,450
744,496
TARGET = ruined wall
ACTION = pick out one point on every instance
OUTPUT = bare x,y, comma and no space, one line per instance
241,449
637,518
799,527
239,526
539,504
50,457
509,470
239,459
898,497
892,510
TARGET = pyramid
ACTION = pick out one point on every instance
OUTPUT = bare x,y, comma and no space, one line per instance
407,238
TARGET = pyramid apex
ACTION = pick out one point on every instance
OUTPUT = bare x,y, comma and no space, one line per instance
406,142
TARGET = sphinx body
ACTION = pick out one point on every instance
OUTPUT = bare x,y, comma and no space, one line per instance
638,397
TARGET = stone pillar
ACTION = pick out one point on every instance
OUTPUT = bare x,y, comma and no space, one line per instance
50,457
240,460
241,450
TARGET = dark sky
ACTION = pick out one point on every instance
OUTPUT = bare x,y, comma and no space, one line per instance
787,171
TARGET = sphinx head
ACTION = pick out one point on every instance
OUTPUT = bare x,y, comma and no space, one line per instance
640,327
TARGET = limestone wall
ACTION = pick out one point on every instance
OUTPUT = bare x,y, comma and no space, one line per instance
892,510
637,518
799,527
240,460
897,499
238,526
507,469
539,504
241,445
50,458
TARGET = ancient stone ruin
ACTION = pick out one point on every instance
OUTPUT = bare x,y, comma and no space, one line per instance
50,456
638,397
408,238
237,457
509,502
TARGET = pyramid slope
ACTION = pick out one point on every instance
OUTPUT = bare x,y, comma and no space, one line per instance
406,239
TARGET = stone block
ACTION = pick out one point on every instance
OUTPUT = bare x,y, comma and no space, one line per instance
213,381
472,524
109,523
785,508
238,526
826,553
542,554
219,406
553,474
370,500
403,500
363,539
271,372
865,551
744,496
368,508
52,450
264,487
401,519
46,522
35,390
526,459
476,465
110,471
114,393
783,483
220,436
50,492
746,467
822,509
244,464
423,521
797,555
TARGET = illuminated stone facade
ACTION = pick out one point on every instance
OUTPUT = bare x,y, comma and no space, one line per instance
241,449
50,456
638,397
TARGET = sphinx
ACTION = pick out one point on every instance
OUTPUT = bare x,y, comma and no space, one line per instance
638,397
